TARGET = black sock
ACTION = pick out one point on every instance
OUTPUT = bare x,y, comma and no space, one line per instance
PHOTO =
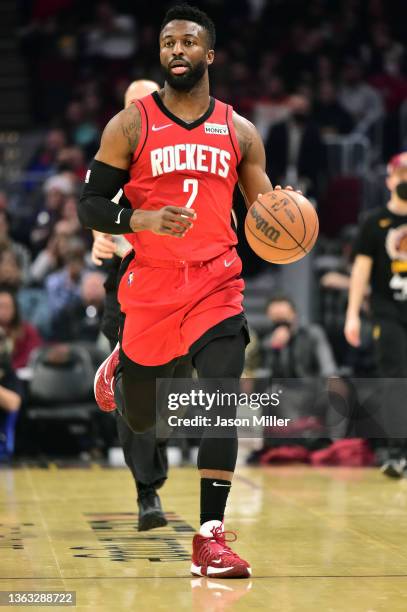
214,494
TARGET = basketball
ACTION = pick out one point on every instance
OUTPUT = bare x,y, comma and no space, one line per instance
402,245
281,226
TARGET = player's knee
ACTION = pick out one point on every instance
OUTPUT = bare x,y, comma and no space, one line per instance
226,369
139,425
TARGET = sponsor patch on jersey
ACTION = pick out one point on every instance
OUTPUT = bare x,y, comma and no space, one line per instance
219,129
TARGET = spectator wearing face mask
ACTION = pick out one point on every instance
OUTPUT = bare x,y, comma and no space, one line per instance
292,350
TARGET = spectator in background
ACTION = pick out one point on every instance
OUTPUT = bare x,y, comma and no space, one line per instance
329,114
52,257
325,70
359,98
11,394
69,223
63,286
72,165
271,106
22,336
81,126
383,52
45,159
50,212
81,318
299,60
3,200
298,360
11,275
291,350
21,252
111,36
391,83
381,261
294,149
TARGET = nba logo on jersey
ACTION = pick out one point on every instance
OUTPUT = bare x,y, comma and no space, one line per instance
130,279
216,128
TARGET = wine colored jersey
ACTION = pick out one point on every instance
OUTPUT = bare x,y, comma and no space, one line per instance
185,164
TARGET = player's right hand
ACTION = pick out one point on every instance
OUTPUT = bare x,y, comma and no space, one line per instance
169,221
103,247
352,330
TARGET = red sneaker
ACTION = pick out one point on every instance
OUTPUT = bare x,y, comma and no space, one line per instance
212,557
103,386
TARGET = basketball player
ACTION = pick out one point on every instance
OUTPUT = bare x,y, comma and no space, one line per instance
143,455
381,260
178,154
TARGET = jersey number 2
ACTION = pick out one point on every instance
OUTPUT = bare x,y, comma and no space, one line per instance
191,185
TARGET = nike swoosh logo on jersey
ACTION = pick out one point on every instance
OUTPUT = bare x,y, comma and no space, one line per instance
219,484
157,128
229,263
118,216
217,561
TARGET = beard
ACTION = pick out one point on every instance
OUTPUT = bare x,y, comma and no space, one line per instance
185,82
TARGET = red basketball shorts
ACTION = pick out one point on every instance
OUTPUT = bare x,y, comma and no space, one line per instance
169,305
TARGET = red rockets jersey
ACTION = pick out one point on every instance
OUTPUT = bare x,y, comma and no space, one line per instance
185,164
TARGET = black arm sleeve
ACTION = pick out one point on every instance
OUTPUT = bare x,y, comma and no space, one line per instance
96,209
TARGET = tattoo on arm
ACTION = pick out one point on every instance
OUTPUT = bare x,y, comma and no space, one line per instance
245,143
244,134
131,127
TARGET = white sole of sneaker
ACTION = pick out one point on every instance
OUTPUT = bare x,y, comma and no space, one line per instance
214,572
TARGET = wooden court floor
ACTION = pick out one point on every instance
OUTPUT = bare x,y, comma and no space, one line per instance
317,539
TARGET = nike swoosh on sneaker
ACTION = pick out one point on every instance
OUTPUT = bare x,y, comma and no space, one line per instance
219,484
229,263
157,128
219,570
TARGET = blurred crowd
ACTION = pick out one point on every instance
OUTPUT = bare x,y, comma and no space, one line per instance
345,59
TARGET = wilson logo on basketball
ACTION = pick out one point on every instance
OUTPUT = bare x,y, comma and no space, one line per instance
261,224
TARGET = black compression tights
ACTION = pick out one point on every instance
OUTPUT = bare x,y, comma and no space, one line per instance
135,394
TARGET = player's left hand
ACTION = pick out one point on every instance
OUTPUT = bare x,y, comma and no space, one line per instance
288,188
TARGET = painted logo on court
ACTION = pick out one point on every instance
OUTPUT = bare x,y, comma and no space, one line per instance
117,539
